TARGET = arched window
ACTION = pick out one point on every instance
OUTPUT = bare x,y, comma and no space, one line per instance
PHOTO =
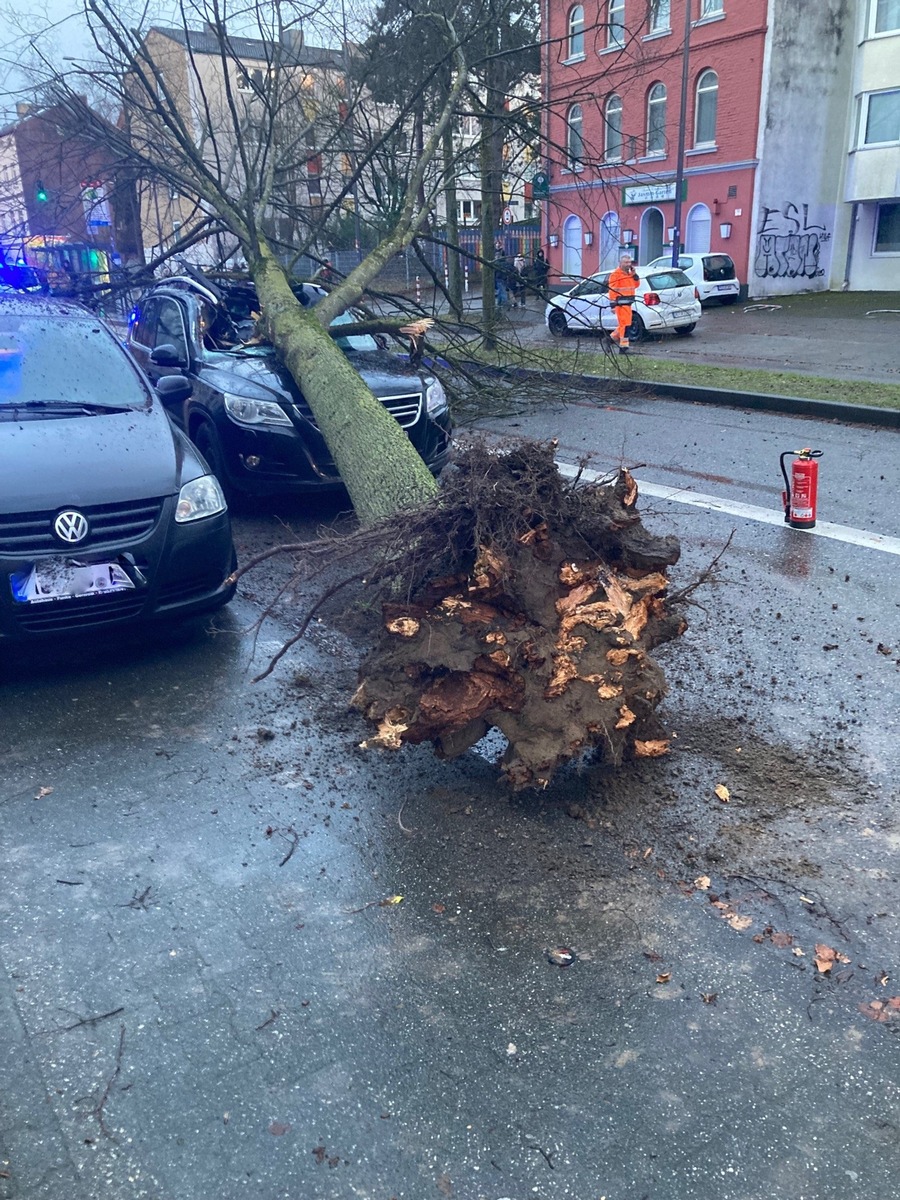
572,240
616,23
576,31
612,114
706,109
699,230
610,238
574,137
656,119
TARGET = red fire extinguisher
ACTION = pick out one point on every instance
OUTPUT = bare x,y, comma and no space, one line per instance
800,491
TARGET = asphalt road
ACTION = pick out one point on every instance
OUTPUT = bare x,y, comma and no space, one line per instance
202,996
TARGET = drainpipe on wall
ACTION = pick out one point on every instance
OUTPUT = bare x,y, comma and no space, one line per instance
854,216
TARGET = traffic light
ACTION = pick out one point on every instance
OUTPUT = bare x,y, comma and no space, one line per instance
40,193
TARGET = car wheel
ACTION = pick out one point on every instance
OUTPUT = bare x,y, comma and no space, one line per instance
685,330
637,331
557,323
207,442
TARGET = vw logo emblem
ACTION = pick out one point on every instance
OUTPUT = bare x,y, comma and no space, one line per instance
71,527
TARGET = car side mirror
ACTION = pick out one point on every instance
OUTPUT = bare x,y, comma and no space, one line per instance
166,355
174,389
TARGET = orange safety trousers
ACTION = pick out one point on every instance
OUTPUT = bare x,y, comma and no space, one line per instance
623,317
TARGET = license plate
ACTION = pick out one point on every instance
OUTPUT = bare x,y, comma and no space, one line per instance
724,287
679,314
64,579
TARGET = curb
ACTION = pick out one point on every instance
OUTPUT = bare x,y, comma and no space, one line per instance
830,410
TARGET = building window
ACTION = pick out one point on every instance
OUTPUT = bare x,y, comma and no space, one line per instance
656,119
574,138
576,32
612,148
616,25
880,124
887,229
711,8
610,237
660,15
699,230
706,109
572,241
884,17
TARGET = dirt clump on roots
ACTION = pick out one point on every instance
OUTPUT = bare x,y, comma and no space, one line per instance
523,602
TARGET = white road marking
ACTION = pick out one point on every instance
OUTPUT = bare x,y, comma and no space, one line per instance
749,512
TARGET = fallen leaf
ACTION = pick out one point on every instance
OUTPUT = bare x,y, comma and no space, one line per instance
389,901
825,957
648,852
42,792
319,1154
445,1185
886,650
438,908
709,997
277,1129
702,882
561,956
739,923
782,940
652,956
841,957
664,978
722,792
798,952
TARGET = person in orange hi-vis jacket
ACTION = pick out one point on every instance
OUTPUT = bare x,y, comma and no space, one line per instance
622,286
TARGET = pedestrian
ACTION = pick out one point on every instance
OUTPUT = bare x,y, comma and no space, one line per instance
519,282
541,271
501,277
622,286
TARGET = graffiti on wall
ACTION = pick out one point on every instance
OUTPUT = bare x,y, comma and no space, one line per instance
788,244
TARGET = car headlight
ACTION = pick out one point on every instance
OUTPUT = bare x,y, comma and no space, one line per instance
200,498
435,398
247,411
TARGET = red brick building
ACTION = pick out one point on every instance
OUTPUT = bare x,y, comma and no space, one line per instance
613,79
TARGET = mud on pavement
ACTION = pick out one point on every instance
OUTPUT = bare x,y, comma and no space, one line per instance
242,957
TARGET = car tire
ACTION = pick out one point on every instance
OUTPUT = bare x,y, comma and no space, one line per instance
637,330
557,323
207,442
686,330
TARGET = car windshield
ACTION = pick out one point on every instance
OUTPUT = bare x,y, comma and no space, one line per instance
358,341
659,281
64,360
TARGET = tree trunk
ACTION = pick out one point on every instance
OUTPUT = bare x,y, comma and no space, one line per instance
454,271
380,467
488,233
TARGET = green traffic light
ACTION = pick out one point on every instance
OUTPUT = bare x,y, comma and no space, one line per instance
41,193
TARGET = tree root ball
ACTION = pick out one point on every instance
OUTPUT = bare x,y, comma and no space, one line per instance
534,614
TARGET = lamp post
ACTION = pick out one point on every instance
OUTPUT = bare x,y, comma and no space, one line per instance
682,132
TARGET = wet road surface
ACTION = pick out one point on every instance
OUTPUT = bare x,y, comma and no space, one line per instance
202,995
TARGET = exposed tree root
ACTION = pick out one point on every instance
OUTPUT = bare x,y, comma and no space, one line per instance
514,600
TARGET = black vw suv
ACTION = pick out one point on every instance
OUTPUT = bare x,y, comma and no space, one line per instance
245,413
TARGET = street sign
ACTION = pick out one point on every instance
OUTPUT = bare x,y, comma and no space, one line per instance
507,216
540,186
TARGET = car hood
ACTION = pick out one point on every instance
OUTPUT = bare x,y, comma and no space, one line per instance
104,459
385,375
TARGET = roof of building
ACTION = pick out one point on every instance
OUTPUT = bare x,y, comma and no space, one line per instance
203,41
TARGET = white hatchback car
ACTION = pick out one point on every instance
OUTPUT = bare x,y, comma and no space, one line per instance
665,300
713,275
